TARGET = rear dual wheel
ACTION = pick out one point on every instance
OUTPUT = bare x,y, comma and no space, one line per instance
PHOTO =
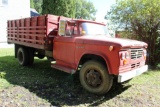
94,77
31,56
25,56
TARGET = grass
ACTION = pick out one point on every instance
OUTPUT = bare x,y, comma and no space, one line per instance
40,85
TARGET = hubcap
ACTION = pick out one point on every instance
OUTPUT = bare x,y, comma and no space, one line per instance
93,78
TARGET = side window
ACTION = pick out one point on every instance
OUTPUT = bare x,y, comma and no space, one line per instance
67,28
68,31
75,30
71,30
82,29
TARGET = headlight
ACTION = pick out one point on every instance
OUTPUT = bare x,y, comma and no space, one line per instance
127,55
124,57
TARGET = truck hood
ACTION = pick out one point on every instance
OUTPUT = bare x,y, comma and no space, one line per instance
104,40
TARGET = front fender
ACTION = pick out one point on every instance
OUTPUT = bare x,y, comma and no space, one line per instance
94,55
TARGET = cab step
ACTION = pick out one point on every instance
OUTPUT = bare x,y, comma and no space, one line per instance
62,68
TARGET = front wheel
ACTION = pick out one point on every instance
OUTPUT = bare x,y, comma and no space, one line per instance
94,77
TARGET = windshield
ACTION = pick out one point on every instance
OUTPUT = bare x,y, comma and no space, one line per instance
94,29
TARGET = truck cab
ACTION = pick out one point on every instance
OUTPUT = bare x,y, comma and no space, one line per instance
87,46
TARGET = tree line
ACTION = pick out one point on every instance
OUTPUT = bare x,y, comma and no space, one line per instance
67,8
141,20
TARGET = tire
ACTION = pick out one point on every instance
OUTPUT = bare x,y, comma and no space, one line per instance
31,56
50,59
94,77
40,56
23,57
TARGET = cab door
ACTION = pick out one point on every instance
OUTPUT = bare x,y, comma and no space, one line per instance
64,48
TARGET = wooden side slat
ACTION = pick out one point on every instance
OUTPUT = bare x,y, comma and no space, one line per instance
38,46
43,27
25,34
40,41
36,31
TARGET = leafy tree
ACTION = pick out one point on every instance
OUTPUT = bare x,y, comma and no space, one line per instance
142,19
31,4
59,7
69,8
38,5
85,9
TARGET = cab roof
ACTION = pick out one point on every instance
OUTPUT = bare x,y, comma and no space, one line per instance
83,20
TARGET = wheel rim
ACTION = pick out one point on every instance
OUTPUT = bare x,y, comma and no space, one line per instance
93,78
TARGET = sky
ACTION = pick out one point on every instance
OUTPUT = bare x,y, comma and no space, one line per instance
102,7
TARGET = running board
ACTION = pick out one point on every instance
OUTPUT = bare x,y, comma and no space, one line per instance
62,68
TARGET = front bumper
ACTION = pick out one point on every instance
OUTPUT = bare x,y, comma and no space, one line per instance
130,74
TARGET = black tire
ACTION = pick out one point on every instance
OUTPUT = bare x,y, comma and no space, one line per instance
40,56
22,55
50,59
94,77
31,56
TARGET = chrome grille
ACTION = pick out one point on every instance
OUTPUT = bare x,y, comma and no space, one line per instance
135,65
136,53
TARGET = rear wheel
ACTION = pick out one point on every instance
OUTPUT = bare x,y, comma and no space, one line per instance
31,56
50,58
40,56
23,56
94,77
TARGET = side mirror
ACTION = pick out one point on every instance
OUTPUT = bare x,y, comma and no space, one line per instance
62,27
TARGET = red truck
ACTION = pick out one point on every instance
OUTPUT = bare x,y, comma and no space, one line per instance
78,45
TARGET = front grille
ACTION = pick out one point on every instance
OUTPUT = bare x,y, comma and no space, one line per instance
136,53
135,65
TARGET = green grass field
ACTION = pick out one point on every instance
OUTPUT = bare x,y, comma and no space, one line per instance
40,85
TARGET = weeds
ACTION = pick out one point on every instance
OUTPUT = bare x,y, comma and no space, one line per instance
40,85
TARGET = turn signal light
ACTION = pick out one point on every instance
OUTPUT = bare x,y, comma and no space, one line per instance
125,61
145,54
110,48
